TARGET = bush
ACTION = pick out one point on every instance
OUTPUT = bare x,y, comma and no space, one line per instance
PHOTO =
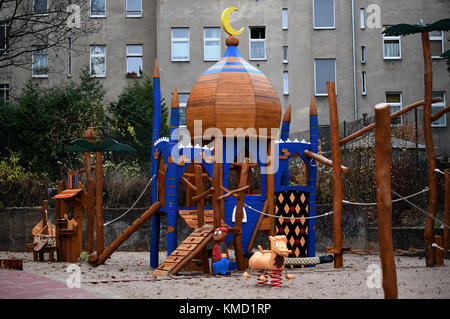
19,187
44,121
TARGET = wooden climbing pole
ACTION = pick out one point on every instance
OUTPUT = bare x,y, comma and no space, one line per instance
447,211
337,177
384,198
430,153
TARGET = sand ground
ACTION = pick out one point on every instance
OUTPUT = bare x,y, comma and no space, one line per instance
127,275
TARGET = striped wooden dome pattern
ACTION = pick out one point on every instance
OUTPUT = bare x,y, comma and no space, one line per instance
233,94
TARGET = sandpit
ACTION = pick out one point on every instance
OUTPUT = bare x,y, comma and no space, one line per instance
127,275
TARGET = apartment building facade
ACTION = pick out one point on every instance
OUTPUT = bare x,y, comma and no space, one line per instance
298,44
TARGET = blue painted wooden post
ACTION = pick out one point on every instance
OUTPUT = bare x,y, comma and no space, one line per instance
285,126
156,220
312,176
284,135
171,185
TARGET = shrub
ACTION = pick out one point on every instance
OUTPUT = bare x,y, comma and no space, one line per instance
19,187
44,121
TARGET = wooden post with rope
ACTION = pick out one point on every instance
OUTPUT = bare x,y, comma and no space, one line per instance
241,265
337,177
446,236
97,260
270,184
430,153
384,198
216,202
89,135
58,216
437,251
99,202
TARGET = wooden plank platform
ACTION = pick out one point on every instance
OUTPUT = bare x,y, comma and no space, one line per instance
68,193
190,248
191,217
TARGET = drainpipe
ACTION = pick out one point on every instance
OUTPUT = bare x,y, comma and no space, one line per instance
354,62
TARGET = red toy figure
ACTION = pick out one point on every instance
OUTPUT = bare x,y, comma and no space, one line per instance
221,258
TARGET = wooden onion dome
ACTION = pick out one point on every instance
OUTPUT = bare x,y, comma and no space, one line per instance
233,94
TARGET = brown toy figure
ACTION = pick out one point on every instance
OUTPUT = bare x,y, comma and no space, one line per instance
221,258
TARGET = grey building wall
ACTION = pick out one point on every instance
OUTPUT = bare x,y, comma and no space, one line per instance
304,43
114,31
405,75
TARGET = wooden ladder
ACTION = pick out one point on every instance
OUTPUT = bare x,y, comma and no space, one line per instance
193,245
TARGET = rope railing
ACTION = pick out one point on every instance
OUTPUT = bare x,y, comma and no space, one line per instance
296,218
134,204
421,210
426,189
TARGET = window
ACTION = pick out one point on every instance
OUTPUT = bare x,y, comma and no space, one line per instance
69,58
182,102
395,101
40,6
323,14
211,38
98,8
134,59
435,107
362,18
4,92
39,67
3,37
98,60
285,54
392,48
180,44
257,43
134,8
286,83
436,44
363,54
364,83
324,71
284,24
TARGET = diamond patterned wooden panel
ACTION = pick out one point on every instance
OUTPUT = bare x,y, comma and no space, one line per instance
290,205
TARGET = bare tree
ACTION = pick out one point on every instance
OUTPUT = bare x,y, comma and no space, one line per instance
28,26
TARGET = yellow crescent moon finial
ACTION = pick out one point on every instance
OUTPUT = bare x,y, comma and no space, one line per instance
225,20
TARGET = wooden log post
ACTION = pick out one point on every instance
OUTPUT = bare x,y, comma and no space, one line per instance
58,215
384,198
200,190
270,184
337,176
241,265
137,224
430,153
216,202
437,251
99,202
446,244
45,222
256,230
324,160
89,135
